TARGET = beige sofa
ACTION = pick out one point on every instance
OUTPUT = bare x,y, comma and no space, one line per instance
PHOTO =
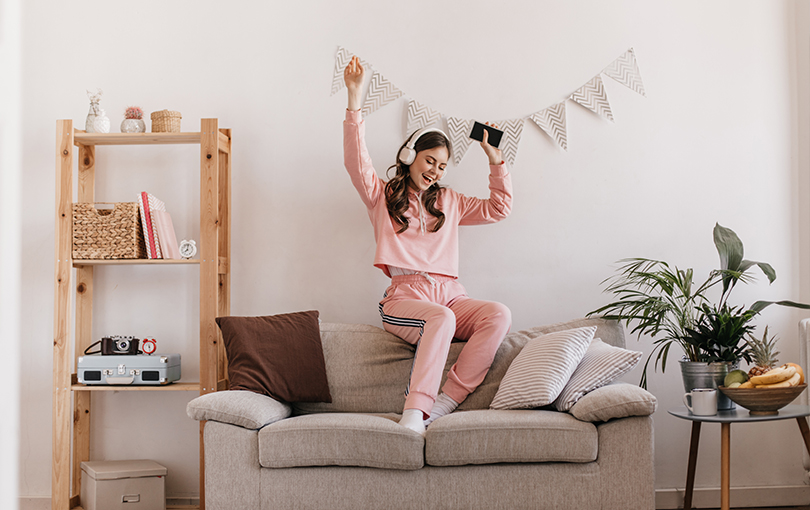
352,454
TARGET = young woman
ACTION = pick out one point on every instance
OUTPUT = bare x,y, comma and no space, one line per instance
416,227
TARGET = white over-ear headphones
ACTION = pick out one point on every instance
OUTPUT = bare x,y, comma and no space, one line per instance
407,155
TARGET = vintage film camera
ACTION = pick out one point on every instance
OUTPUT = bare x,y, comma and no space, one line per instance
121,345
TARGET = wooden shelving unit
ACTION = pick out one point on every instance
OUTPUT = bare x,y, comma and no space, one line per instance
71,401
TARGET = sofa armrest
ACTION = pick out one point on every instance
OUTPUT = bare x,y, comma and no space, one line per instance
242,408
616,400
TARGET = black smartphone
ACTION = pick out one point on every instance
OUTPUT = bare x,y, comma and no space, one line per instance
495,135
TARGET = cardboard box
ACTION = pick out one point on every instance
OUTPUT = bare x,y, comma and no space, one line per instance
123,485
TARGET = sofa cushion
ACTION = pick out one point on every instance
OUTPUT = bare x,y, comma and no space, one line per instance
617,400
610,332
601,364
279,356
341,439
494,436
367,368
243,408
539,373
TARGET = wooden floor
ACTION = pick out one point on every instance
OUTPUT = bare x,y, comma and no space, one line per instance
767,508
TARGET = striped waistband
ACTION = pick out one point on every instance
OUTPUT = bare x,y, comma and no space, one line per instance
431,278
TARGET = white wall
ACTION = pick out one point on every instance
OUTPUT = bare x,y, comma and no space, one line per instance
11,241
716,140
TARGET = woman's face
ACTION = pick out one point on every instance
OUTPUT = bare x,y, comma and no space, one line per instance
428,167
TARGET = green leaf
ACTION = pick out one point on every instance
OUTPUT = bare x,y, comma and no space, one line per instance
768,270
761,305
729,247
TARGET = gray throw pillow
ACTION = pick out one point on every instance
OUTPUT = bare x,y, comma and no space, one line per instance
617,400
601,365
243,408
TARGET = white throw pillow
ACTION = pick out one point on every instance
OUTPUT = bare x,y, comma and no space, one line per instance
601,365
539,373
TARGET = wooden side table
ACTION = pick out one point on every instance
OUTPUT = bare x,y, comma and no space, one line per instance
725,419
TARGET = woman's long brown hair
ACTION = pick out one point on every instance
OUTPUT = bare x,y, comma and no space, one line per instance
396,190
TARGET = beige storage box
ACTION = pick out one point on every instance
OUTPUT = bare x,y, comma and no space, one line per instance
123,485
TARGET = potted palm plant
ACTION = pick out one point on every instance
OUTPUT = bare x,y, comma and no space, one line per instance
663,301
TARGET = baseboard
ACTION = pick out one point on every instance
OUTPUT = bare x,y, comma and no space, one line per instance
35,503
741,497
44,503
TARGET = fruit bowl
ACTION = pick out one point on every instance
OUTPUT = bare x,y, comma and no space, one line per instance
763,401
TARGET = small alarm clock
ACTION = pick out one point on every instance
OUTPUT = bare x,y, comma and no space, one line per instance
148,346
188,248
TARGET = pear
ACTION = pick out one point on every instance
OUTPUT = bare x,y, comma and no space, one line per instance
735,376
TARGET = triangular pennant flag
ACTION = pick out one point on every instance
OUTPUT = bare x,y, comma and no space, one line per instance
593,96
625,71
420,116
380,93
512,131
459,131
342,59
552,121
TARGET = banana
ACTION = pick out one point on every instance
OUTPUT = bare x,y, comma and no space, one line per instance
796,379
746,384
774,376
792,381
798,371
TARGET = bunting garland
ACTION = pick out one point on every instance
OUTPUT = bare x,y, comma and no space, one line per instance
625,71
380,93
512,129
459,132
552,120
420,116
593,96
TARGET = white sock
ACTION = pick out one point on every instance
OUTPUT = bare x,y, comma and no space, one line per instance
413,419
443,405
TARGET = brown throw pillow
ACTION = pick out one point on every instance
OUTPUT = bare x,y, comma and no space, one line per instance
279,355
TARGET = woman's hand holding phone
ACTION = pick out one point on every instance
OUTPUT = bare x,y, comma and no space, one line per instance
493,153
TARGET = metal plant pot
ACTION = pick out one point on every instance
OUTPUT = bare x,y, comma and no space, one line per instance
698,374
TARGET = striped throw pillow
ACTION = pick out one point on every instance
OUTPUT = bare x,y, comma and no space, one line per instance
601,365
538,374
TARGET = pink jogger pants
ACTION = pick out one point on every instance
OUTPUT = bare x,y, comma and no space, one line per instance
429,315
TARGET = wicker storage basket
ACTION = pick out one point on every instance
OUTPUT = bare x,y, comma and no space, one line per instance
107,233
166,121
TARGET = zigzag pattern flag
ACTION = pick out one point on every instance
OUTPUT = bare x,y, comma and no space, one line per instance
593,96
552,121
512,131
459,132
342,59
420,116
625,71
380,93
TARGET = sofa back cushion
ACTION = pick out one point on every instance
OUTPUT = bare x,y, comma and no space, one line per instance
368,368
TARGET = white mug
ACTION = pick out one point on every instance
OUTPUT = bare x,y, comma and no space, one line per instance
703,401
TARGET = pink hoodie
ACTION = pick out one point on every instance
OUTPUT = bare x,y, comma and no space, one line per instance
418,248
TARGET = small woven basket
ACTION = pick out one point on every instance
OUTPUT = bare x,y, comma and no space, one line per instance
166,121
103,233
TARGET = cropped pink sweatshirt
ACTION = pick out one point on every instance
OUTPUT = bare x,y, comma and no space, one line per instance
418,248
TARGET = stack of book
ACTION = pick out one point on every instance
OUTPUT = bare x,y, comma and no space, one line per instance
158,231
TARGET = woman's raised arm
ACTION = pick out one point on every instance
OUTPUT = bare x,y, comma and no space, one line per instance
353,76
